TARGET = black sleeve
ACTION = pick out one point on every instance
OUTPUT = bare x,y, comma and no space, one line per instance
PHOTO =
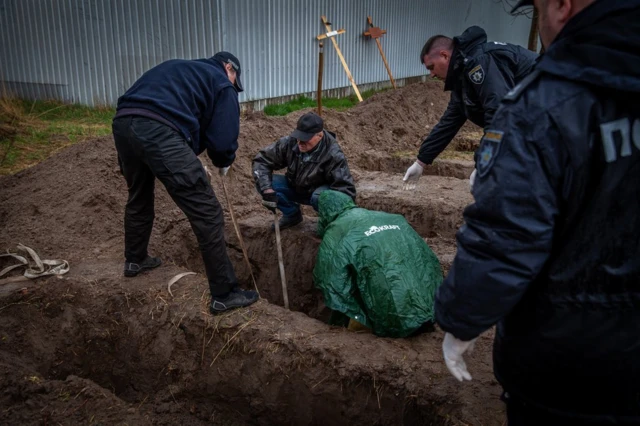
508,232
340,177
221,137
269,159
443,132
490,84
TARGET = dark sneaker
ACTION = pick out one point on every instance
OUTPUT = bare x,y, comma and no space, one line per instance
288,221
132,269
235,299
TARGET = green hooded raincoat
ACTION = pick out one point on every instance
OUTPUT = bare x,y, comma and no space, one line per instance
374,267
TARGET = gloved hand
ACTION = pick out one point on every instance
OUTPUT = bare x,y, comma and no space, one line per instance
413,174
270,201
472,179
223,170
453,349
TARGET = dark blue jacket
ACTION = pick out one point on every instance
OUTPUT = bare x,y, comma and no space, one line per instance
480,74
198,98
550,250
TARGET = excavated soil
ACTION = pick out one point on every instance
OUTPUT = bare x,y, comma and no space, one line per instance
92,347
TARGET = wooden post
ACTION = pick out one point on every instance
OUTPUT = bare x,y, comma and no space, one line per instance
320,71
331,34
376,33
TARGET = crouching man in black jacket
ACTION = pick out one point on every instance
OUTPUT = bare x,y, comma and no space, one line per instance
172,113
314,163
551,247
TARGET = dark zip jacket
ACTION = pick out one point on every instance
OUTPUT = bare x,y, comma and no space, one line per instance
197,99
550,250
480,74
325,165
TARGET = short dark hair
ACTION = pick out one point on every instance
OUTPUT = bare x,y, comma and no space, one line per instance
437,41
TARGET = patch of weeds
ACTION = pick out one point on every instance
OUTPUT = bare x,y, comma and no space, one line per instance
404,154
38,129
302,102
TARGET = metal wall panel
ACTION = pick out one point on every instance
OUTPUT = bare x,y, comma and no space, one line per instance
275,39
91,51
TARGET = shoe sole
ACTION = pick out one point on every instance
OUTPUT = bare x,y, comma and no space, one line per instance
131,274
216,311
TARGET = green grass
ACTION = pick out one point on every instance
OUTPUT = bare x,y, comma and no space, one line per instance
56,111
301,102
45,127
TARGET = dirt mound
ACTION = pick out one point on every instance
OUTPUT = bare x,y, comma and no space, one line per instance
72,204
94,347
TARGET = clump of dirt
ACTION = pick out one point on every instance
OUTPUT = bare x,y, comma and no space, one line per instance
93,347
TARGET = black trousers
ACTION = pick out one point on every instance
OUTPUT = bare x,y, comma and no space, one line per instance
519,413
148,149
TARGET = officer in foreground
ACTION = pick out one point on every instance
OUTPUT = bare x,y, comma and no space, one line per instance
478,73
551,247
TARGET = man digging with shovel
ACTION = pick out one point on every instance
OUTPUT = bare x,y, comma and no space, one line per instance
170,115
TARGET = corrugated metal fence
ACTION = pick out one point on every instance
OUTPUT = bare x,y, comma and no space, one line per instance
91,51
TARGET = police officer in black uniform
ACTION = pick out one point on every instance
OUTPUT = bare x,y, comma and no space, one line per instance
550,250
171,114
478,74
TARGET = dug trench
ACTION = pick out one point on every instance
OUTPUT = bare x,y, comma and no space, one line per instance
133,342
92,347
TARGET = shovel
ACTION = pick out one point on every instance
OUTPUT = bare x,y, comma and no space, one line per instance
239,235
235,225
276,224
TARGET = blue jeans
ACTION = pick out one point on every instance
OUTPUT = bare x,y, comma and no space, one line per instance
289,201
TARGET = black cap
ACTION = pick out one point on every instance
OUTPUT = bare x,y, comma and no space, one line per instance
308,125
522,3
228,58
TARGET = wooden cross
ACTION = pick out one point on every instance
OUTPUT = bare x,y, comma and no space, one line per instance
375,33
331,34
320,71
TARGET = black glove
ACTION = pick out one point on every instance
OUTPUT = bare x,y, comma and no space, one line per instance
270,201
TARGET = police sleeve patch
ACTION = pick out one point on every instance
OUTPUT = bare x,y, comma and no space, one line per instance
476,75
488,151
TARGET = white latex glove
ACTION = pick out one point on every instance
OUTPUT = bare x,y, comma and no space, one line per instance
453,349
413,174
472,179
223,171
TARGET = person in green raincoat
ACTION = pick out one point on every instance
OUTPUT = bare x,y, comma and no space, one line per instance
374,268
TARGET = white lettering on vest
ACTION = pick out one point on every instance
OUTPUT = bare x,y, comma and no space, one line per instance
622,127
375,229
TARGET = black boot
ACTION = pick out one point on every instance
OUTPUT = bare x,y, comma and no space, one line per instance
132,269
237,298
288,221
